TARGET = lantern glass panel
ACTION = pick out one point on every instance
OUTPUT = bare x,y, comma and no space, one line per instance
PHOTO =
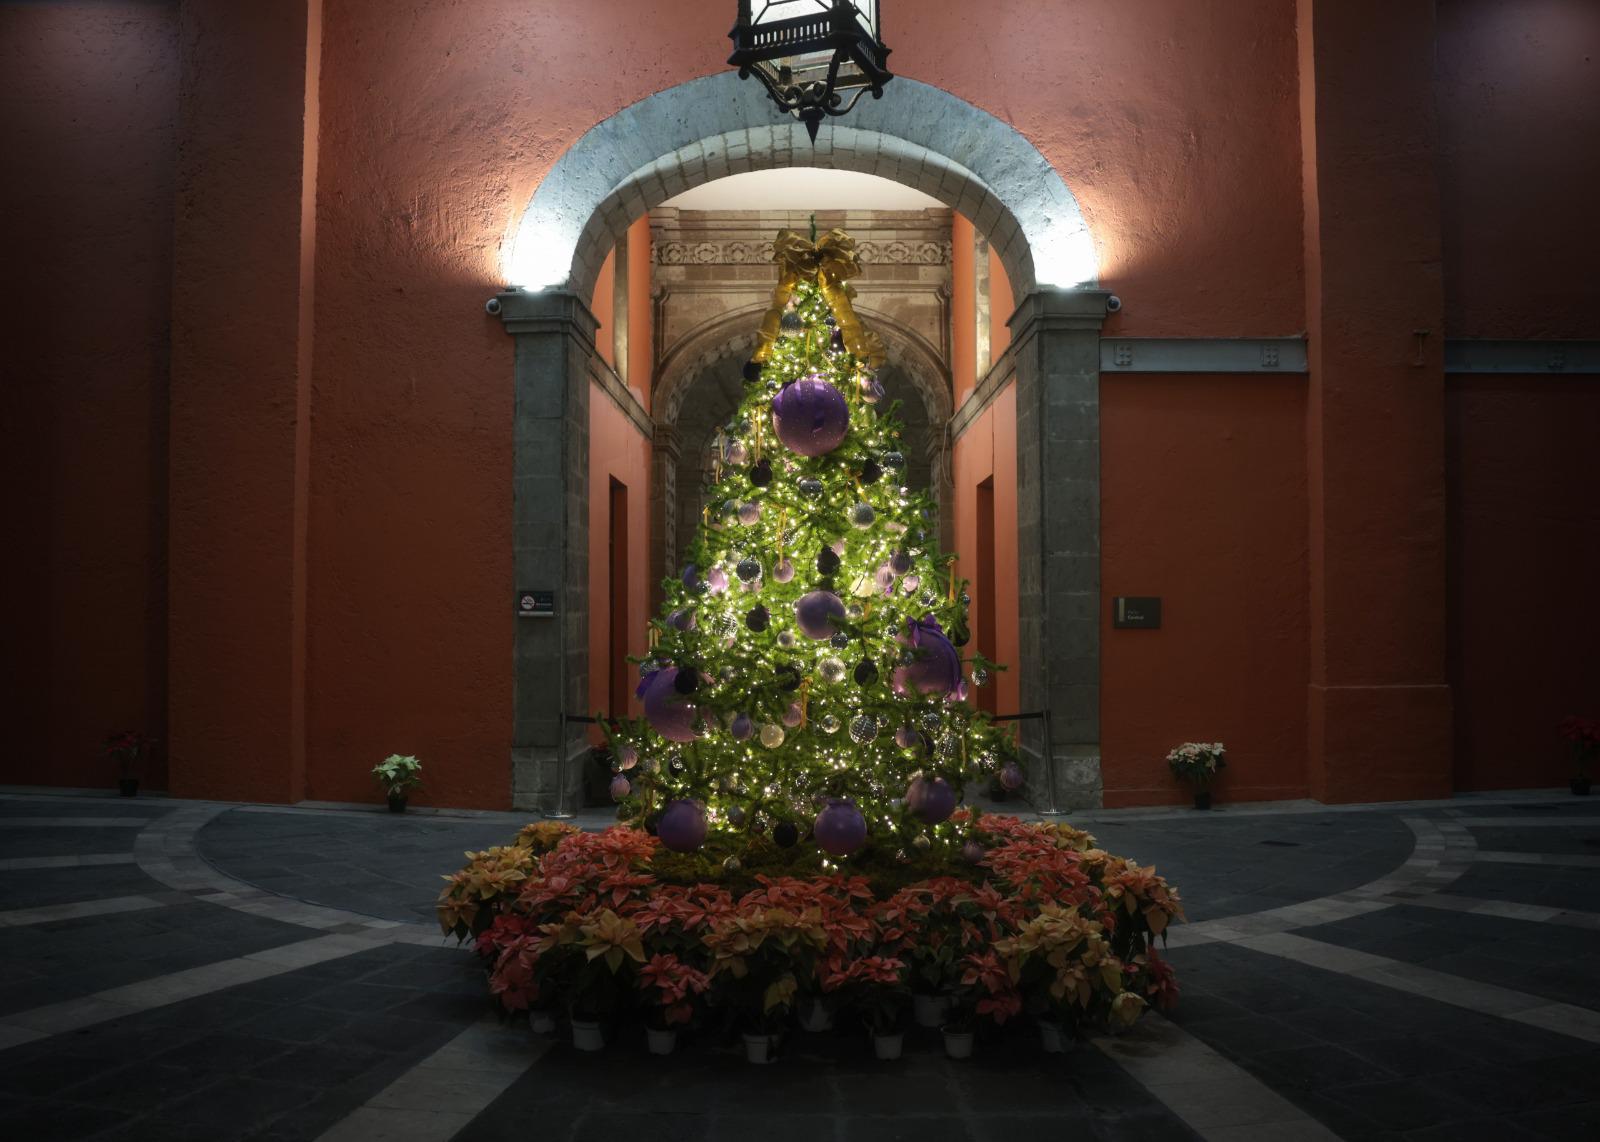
771,11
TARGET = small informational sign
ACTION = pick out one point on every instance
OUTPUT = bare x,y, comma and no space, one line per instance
536,604
1136,612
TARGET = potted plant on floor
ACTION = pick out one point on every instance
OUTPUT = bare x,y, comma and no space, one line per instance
669,986
1584,736
602,950
398,774
986,996
127,748
1068,977
758,954
876,988
1198,763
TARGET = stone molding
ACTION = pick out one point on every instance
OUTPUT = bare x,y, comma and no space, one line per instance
1471,355
742,253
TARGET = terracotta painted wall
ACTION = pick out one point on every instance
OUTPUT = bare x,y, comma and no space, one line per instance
1524,529
88,125
1519,88
603,306
1203,502
641,325
963,309
1002,303
988,450
617,450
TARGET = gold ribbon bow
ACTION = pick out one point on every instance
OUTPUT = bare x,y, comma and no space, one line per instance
831,261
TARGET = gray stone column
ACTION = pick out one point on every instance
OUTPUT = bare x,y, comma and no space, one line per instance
664,457
555,350
1056,343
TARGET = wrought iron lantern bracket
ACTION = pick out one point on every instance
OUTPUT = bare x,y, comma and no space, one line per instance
832,33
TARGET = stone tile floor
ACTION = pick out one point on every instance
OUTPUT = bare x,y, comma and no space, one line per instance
183,970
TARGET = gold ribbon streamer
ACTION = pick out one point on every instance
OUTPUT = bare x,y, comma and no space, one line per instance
831,261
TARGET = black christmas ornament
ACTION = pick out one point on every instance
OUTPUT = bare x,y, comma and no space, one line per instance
788,676
785,835
761,472
866,672
757,619
809,486
827,561
747,569
829,320
837,344
959,634
839,641
871,472
687,680
790,323
894,460
752,370
652,821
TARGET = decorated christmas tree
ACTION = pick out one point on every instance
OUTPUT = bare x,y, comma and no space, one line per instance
808,676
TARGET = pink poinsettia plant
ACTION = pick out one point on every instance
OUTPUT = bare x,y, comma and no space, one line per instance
1044,922
127,747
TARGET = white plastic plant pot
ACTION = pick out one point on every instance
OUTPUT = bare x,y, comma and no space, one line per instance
958,1044
759,1049
888,1046
661,1042
587,1036
815,1016
930,1010
541,1022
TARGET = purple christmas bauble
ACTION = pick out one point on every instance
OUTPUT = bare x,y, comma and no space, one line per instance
717,580
742,727
668,713
817,612
784,571
792,716
937,667
931,799
620,787
899,562
907,738
682,827
840,828
810,416
1011,776
627,757
682,619
973,853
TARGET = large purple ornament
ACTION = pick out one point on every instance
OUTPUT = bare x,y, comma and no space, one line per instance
817,612
742,727
1011,776
931,799
665,709
840,829
937,668
682,827
620,787
810,416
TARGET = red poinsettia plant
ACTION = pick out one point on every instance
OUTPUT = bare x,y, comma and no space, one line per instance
1583,734
126,747
670,987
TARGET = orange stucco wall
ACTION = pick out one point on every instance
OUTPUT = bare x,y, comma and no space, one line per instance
1524,560
318,204
641,325
603,306
963,309
1203,502
617,451
988,450
88,122
1002,303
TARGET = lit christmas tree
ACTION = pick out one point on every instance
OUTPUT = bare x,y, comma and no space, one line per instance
806,676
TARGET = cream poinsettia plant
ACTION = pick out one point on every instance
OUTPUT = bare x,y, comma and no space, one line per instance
1198,762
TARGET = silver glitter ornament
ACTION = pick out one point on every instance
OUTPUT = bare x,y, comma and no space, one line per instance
930,719
786,639
862,515
980,676
772,735
829,724
731,864
921,842
863,729
831,669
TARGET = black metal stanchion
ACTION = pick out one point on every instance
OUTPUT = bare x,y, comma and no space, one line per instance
561,812
1049,756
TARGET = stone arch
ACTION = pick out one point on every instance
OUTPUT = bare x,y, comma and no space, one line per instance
719,125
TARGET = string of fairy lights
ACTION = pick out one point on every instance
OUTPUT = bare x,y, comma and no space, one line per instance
806,662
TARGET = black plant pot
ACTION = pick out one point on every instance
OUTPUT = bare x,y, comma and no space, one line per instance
397,802
1202,799
1580,787
129,786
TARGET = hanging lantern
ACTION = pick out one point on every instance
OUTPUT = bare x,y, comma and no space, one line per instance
814,57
